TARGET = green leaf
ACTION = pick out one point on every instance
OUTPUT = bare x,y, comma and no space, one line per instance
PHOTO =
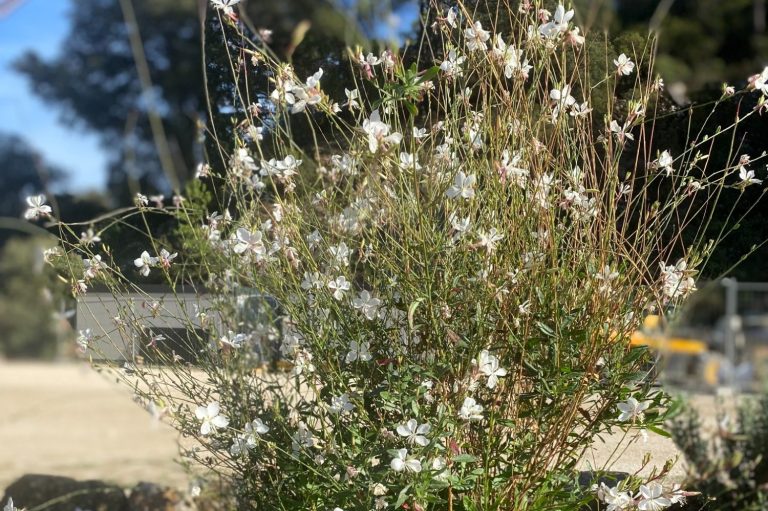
412,310
659,431
429,74
402,497
464,458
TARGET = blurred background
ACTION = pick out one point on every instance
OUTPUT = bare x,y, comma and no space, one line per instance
101,99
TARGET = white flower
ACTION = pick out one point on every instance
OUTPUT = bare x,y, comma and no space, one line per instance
312,281
367,304
760,82
339,287
414,432
9,506
747,177
282,169
558,24
489,365
224,4
562,99
37,207
476,37
489,239
652,497
303,438
341,404
89,238
165,258
675,280
84,338
463,186
141,200
249,242
144,263
409,161
616,500
605,276
665,162
512,59
340,254
471,410
211,418
255,427
624,66
403,462
621,132
632,409
358,351
451,66
379,133
352,97
451,16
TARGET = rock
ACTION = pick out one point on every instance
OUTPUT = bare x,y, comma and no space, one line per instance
65,494
152,497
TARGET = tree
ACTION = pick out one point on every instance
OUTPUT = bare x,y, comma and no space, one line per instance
131,70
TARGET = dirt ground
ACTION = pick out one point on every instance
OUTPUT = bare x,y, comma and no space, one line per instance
66,419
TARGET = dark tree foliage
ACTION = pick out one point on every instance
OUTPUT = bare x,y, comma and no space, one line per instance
23,172
95,83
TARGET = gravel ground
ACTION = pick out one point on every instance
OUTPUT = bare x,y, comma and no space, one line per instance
66,419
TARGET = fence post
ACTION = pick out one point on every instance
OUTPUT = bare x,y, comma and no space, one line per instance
731,313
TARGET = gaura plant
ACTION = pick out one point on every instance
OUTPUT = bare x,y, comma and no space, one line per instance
450,273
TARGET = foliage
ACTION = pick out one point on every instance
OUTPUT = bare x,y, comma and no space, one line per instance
29,301
728,463
450,272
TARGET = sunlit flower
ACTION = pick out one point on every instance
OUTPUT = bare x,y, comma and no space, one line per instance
621,132
616,500
37,208
9,506
451,66
379,133
341,404
144,262
632,409
624,66
415,432
652,497
339,285
747,177
352,97
665,162
212,419
489,365
403,462
367,304
476,37
463,186
558,24
89,237
247,242
471,410
358,351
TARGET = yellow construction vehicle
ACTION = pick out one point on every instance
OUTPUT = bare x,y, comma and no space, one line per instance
679,359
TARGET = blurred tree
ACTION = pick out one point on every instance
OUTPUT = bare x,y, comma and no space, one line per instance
131,70
29,298
23,172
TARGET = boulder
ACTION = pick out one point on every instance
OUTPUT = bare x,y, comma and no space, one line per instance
65,494
152,497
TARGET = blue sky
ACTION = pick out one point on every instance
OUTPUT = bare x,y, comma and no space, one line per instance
41,25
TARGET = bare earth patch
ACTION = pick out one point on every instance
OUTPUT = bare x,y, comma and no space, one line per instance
66,419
